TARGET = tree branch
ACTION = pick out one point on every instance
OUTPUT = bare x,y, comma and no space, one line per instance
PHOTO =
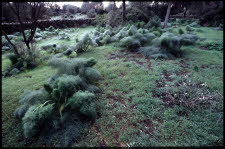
14,47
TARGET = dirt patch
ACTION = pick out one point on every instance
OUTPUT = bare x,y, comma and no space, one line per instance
131,57
203,48
167,75
121,116
147,126
183,92
182,72
182,113
122,74
115,98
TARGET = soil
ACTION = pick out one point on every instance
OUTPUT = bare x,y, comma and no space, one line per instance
131,56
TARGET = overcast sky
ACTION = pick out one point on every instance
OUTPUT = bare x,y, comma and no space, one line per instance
78,4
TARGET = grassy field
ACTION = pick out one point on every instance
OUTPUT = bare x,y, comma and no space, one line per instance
143,102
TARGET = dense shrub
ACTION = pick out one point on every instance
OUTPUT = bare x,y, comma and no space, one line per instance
135,14
194,24
156,33
130,43
100,20
154,21
113,18
168,45
35,117
106,39
63,36
180,31
189,39
27,60
70,91
83,101
189,28
132,30
154,52
84,44
29,98
149,36
91,13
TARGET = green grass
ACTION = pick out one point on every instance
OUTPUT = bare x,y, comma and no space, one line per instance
130,114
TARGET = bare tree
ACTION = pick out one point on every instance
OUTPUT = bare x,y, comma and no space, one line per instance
167,15
36,11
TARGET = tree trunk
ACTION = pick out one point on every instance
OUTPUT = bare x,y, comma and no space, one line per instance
185,11
167,15
124,11
114,5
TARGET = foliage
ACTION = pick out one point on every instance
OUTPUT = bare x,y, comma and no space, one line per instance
189,39
194,24
35,117
100,19
83,102
154,52
149,36
27,60
180,31
70,86
154,21
140,107
135,14
171,44
29,98
189,28
114,18
130,43
168,45
84,44
63,36
132,30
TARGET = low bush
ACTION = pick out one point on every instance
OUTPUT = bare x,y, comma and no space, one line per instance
130,43
189,39
70,91
194,24
100,20
189,28
132,30
154,52
156,33
168,45
64,36
28,59
84,44
154,21
171,44
180,31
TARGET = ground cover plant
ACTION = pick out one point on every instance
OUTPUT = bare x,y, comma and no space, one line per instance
136,84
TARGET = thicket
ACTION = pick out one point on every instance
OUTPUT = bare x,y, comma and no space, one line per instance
71,91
